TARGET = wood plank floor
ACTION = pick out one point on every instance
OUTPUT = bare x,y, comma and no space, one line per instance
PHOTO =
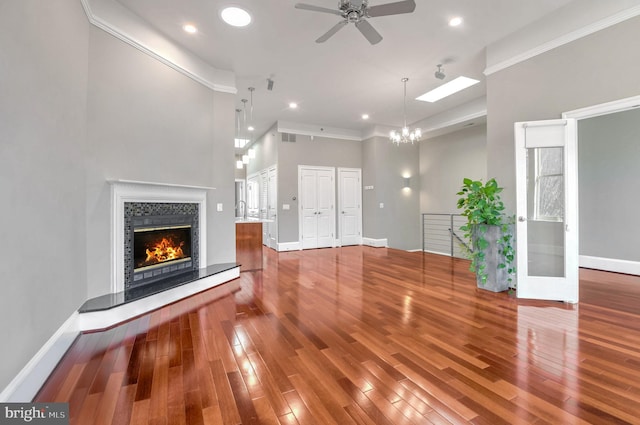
361,335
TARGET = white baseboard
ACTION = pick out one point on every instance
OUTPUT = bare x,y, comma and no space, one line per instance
610,264
27,383
289,246
24,387
376,243
448,254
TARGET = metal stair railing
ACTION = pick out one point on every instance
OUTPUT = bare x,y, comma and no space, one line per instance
441,235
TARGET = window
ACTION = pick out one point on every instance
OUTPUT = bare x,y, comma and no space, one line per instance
549,184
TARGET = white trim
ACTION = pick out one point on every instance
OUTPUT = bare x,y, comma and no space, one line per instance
103,319
376,243
414,250
288,246
120,22
446,254
604,108
318,130
134,191
565,39
27,383
610,264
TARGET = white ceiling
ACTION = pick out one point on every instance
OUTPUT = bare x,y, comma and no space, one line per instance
335,82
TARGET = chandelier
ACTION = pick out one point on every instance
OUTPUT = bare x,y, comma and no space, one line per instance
405,135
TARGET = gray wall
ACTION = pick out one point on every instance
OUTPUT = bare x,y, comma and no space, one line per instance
384,167
595,69
78,107
43,64
609,174
445,161
148,122
320,151
266,151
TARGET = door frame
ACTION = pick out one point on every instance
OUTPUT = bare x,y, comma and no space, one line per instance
620,105
300,199
338,183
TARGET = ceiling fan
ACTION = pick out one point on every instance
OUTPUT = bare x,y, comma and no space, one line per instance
357,12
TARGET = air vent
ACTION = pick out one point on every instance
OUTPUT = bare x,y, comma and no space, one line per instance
288,137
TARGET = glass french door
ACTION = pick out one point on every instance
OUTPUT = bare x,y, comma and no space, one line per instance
547,210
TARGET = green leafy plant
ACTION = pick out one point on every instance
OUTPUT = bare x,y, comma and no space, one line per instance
481,205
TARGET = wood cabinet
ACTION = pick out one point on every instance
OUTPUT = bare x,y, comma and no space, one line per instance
249,246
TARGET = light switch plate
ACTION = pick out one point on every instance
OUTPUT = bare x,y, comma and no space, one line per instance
381,204
285,206
219,206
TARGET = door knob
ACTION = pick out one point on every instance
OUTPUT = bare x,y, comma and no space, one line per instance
521,218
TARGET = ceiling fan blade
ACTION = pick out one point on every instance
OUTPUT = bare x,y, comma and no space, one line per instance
369,32
406,6
337,27
318,9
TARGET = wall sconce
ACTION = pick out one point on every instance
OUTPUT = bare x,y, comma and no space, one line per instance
406,183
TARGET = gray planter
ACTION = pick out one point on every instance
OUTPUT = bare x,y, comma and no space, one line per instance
497,278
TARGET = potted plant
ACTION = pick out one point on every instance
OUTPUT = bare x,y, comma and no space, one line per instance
490,232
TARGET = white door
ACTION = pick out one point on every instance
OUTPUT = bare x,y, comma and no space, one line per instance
547,210
264,203
317,213
272,201
349,206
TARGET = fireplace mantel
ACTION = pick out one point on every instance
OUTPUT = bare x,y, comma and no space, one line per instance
139,191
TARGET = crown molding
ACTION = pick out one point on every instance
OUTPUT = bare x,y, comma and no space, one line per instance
565,39
127,27
318,130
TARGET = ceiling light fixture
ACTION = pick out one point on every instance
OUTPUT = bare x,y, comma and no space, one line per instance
250,126
293,105
456,21
235,16
239,164
440,73
190,28
365,116
447,89
405,135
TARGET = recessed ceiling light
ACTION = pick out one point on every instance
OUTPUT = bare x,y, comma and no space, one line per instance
447,89
190,28
250,128
293,105
454,22
365,116
235,16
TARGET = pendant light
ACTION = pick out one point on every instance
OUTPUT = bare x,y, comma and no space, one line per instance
405,135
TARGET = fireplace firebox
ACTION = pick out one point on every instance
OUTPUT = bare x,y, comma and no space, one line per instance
161,241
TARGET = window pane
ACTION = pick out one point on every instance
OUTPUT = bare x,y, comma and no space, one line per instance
551,197
550,161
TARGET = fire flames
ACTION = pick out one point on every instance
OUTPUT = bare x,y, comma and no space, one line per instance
164,250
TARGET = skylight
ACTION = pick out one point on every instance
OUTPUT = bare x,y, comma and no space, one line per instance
447,89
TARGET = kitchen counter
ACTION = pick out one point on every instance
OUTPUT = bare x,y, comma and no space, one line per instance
249,244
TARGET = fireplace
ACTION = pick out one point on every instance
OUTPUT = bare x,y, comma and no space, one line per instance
144,212
160,241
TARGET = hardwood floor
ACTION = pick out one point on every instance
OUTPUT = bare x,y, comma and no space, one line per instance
362,335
